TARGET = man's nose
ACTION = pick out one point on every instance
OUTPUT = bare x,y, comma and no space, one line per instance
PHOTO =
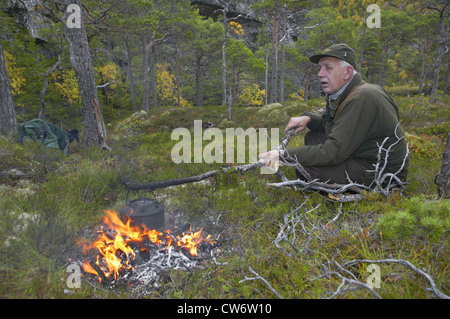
320,73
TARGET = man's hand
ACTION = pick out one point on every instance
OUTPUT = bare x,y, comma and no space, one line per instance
299,123
272,159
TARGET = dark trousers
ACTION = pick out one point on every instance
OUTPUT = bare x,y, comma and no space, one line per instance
338,174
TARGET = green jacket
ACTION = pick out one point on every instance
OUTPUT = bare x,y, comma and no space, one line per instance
355,124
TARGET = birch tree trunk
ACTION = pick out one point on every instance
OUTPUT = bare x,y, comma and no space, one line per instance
8,121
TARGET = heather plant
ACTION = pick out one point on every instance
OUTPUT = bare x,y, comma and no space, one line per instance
425,147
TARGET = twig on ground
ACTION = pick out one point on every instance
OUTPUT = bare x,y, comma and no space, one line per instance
347,284
406,263
259,277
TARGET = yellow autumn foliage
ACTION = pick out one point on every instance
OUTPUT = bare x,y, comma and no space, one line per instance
236,27
66,82
67,85
107,74
165,85
252,95
15,74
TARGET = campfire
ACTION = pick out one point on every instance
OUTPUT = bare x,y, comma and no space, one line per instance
120,243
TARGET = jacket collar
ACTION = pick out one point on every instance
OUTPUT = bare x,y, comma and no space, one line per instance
341,94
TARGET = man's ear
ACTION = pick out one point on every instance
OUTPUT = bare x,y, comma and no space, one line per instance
348,73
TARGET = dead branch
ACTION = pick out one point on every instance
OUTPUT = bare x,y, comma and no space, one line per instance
296,222
379,172
242,169
106,84
314,185
347,284
406,263
383,182
259,277
288,230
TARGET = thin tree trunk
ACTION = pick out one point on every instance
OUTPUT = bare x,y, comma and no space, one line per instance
282,56
153,76
230,105
81,60
198,100
442,180
274,76
441,50
130,74
224,57
146,89
177,73
381,74
266,76
8,121
447,80
44,89
307,84
361,57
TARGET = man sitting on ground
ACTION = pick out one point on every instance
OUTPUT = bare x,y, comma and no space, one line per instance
343,143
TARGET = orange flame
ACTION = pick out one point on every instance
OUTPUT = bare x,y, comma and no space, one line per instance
113,244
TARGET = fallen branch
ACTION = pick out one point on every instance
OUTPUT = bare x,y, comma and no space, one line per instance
347,284
438,293
383,182
259,277
288,230
242,169
151,186
334,189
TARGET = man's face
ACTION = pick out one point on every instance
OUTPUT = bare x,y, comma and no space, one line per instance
331,75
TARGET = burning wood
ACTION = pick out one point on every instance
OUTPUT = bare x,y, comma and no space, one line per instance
118,244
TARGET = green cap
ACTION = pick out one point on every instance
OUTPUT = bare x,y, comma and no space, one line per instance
341,51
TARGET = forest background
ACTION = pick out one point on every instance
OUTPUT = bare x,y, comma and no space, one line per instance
163,54
234,64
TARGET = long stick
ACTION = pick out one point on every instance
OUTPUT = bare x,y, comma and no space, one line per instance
130,185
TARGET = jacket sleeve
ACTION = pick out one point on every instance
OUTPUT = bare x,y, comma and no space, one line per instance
316,123
348,132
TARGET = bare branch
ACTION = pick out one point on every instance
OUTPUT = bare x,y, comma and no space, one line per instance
379,172
406,263
347,284
288,231
259,277
105,85
383,182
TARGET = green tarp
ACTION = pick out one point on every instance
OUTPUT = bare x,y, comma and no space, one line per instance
47,133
